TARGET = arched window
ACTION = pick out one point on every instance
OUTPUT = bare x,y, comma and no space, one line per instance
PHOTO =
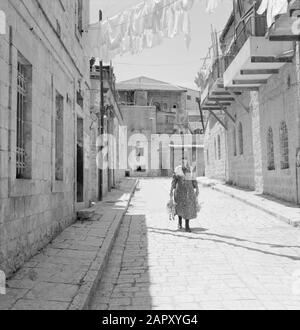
241,139
157,105
215,147
284,146
234,142
270,150
219,147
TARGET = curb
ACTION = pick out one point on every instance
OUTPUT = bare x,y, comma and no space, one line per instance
292,222
86,291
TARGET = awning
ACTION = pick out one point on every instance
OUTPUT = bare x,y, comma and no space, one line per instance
140,27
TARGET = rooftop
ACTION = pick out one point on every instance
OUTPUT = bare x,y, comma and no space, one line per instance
148,84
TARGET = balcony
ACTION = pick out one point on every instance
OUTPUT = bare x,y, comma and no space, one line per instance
253,59
214,97
286,26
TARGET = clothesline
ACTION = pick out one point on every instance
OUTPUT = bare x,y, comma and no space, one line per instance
145,16
147,24
143,26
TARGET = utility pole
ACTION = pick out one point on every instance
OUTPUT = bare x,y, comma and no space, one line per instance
101,123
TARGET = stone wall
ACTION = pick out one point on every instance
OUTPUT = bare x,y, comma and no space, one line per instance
215,166
279,101
240,165
275,103
34,210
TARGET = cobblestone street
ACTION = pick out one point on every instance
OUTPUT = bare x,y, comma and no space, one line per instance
237,257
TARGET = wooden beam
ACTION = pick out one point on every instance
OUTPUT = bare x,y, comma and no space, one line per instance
221,99
224,93
226,104
215,108
227,112
242,89
239,102
250,82
218,119
271,59
259,71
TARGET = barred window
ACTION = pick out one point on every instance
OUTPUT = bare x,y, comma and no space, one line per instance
24,127
270,150
284,146
234,142
219,147
59,137
241,139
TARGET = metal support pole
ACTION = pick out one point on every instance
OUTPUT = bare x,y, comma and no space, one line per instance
101,123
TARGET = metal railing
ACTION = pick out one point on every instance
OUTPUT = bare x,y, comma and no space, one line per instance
253,26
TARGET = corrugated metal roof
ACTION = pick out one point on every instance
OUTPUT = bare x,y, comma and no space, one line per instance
148,84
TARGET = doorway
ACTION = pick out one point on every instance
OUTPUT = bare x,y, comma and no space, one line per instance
80,161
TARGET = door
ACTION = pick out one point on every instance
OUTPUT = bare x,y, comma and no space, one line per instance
80,162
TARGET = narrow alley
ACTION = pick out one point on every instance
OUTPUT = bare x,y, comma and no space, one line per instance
236,257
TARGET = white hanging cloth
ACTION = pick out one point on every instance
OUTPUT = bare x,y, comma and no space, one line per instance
273,8
211,5
143,26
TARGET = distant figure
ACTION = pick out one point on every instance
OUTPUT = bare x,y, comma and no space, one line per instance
186,191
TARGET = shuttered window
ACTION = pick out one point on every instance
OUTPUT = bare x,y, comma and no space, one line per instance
284,146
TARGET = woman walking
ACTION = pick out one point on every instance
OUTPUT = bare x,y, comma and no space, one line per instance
186,191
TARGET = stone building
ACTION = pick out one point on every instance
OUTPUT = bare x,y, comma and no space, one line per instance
254,104
106,150
44,123
153,108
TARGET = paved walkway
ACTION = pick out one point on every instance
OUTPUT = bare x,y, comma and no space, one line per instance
65,273
284,211
237,257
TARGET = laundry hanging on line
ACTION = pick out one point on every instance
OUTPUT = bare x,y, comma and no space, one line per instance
143,26
273,8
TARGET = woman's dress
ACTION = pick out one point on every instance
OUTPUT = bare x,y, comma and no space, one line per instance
185,196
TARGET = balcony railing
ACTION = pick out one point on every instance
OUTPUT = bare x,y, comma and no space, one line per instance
216,71
254,26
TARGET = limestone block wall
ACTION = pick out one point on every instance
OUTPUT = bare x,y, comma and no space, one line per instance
215,166
240,164
34,210
279,101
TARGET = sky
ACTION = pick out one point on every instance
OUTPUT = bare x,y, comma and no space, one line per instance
171,61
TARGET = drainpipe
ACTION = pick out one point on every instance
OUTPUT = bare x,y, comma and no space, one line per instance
101,122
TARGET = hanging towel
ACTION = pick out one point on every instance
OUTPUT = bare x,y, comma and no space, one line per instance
273,8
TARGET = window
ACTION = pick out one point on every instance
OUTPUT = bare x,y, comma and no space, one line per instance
129,98
24,126
59,137
234,142
170,120
165,107
207,156
284,146
189,98
79,17
270,150
157,105
241,139
219,147
215,146
175,106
